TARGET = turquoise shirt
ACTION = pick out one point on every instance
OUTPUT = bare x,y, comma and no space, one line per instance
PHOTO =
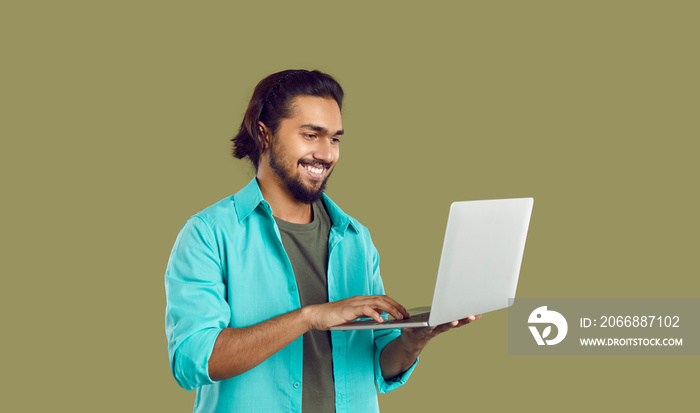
228,268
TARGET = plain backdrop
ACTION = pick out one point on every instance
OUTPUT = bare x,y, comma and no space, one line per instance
116,120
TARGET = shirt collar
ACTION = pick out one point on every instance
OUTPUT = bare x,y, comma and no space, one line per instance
249,198
340,219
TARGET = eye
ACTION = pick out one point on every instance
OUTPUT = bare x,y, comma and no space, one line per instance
335,140
310,135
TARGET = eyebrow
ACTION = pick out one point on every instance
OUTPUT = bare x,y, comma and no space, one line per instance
321,129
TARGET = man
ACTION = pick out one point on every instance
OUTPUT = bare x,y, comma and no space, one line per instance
255,280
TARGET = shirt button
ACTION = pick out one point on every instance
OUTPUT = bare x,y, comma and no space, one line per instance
292,287
297,385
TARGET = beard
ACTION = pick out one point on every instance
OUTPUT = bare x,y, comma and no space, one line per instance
293,183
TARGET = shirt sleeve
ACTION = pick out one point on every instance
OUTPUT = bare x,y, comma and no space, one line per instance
383,337
196,309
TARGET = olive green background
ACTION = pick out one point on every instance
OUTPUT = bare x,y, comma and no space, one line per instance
115,125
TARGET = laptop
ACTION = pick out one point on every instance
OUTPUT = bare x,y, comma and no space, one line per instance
479,265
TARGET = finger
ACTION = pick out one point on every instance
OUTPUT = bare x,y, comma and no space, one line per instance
386,304
470,319
474,317
398,307
368,311
441,329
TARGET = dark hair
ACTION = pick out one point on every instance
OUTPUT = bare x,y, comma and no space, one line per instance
272,101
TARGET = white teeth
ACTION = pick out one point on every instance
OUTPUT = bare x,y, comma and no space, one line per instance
313,170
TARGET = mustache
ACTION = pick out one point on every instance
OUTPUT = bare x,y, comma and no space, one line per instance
316,164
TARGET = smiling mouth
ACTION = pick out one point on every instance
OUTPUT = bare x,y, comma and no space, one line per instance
316,170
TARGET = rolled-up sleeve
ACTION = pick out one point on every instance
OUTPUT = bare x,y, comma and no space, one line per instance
383,337
196,309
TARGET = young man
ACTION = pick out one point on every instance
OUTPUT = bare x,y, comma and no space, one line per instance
255,280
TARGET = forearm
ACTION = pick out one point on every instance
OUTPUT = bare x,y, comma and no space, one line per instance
238,350
397,357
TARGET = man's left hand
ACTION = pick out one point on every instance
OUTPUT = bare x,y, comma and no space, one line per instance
401,353
417,338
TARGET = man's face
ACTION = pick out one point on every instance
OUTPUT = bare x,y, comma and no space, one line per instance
305,148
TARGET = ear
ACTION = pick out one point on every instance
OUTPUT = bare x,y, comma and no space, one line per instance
264,136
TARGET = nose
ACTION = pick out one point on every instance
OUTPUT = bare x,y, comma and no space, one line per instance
325,151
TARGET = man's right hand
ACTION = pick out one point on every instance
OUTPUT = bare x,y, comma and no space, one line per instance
238,350
324,316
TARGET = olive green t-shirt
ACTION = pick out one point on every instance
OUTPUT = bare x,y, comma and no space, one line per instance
307,248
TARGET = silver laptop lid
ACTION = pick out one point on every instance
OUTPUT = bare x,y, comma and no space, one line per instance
481,257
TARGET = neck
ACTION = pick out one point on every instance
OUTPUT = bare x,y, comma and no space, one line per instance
284,205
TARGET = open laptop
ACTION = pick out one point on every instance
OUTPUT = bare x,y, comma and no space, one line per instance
479,265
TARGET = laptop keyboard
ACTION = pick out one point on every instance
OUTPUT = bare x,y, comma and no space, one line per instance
416,318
